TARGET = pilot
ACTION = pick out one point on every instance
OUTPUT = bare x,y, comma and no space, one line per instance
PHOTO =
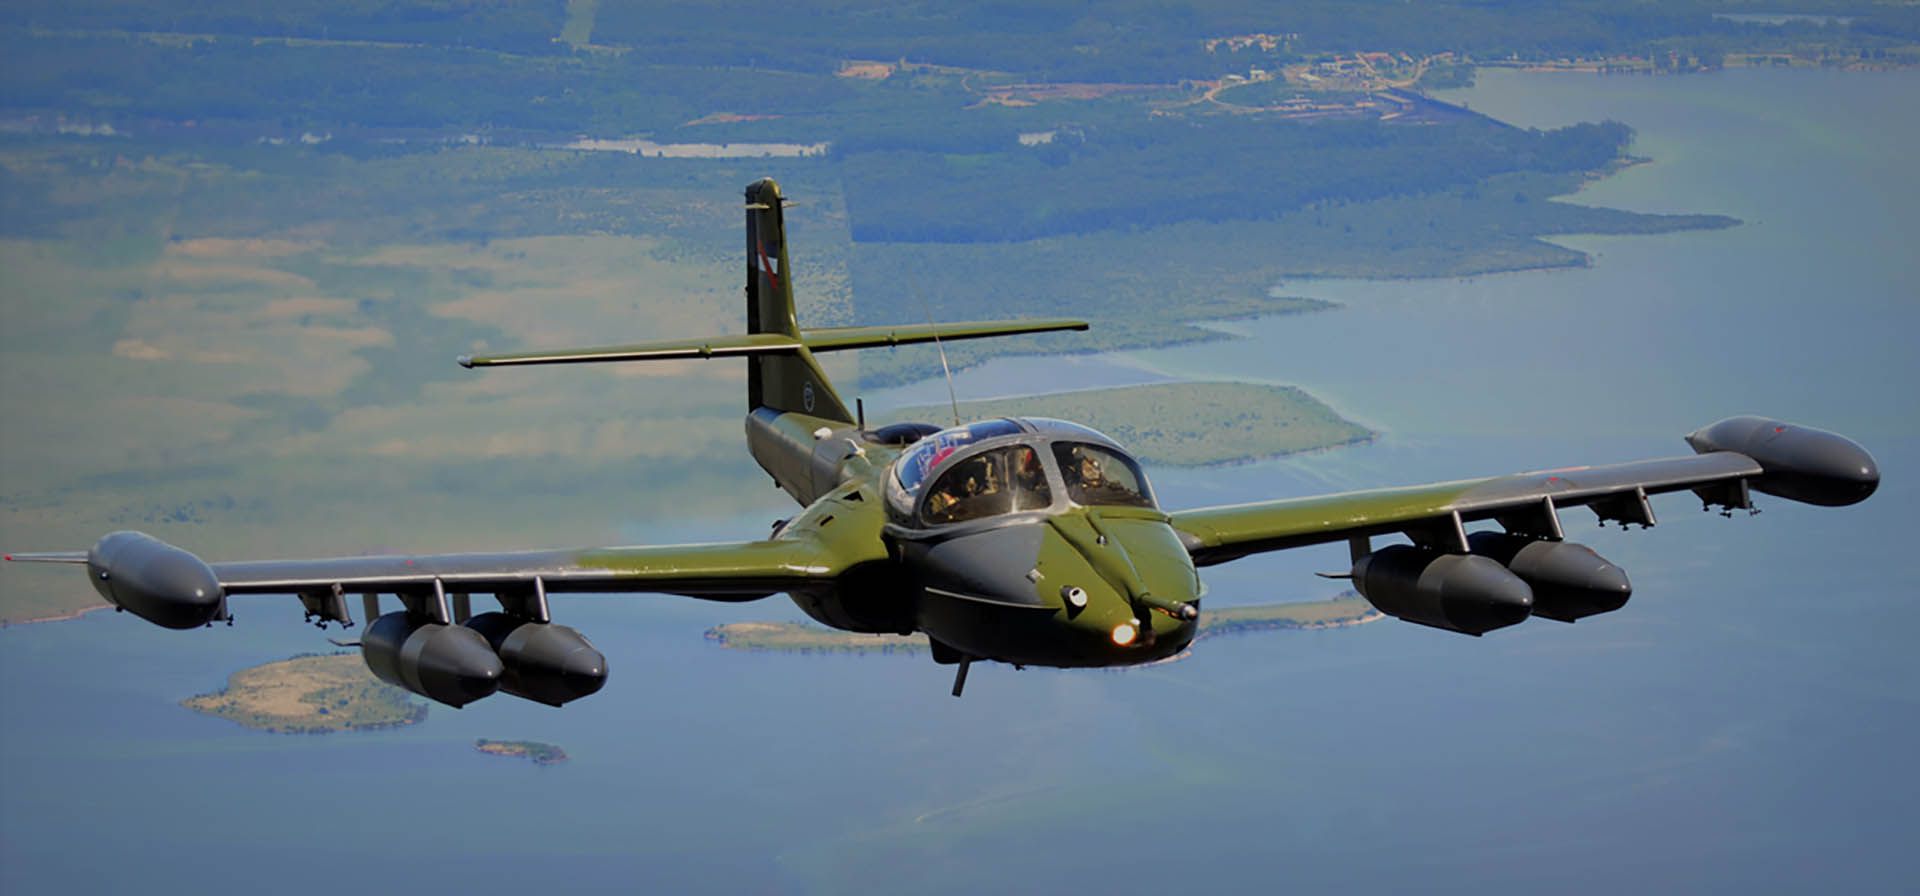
1084,471
962,484
1028,477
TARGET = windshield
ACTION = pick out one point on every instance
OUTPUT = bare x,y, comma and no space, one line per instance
1006,480
1097,476
926,454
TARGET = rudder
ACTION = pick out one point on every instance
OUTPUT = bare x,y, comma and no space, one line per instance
786,381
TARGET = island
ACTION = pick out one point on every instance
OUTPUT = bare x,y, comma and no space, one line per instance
805,638
1348,609
310,694
539,753
1185,424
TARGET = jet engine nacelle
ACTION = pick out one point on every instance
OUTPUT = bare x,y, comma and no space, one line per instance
1457,592
1569,581
446,663
544,662
155,581
1800,463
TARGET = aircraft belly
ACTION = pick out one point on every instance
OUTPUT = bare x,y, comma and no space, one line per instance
873,599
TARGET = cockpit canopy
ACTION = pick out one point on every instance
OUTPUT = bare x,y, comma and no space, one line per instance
996,467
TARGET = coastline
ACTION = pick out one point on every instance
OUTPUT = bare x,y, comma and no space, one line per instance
61,616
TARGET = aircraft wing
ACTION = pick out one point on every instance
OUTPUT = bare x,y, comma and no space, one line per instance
1435,513
168,586
741,570
1734,456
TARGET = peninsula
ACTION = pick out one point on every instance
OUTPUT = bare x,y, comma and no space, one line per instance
1185,424
805,638
312,694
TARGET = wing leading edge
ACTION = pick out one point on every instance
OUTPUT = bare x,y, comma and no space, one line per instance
171,587
1733,456
743,570
1526,502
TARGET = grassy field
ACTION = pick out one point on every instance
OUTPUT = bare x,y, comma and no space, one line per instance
1183,424
310,695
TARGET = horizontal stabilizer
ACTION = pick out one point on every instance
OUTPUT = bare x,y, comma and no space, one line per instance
49,557
664,350
819,340
832,339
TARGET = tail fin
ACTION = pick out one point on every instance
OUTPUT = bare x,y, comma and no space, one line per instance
785,381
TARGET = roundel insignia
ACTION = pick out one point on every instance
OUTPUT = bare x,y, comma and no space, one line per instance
806,396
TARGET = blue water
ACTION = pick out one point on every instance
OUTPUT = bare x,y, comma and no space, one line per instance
1746,723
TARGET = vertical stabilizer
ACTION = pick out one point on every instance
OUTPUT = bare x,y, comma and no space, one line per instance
786,381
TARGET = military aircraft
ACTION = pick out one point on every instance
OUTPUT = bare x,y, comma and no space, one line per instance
1027,541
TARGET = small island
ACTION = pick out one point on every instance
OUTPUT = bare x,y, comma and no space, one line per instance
310,694
1346,610
805,638
1185,424
539,753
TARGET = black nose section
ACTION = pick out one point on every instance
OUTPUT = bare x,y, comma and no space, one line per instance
990,565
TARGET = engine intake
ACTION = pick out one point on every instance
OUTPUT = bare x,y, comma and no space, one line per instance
155,581
446,663
1457,592
1569,580
544,662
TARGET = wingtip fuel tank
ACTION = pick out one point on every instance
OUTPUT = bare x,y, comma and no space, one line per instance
1801,463
155,581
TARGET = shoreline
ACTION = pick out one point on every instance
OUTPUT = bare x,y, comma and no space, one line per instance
64,616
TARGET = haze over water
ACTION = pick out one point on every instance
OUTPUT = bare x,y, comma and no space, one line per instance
1747,722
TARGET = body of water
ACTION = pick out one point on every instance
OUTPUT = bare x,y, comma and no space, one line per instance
1746,723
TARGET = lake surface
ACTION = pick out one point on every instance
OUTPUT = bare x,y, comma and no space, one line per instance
1747,723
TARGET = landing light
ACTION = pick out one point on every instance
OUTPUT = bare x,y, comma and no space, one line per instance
1125,632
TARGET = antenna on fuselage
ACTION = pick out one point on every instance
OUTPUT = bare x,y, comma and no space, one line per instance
953,398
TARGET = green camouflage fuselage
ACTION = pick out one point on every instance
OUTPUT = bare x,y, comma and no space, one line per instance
995,588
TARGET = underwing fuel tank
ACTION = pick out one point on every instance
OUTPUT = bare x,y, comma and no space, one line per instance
1569,581
446,663
1800,463
544,662
154,580
1457,592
